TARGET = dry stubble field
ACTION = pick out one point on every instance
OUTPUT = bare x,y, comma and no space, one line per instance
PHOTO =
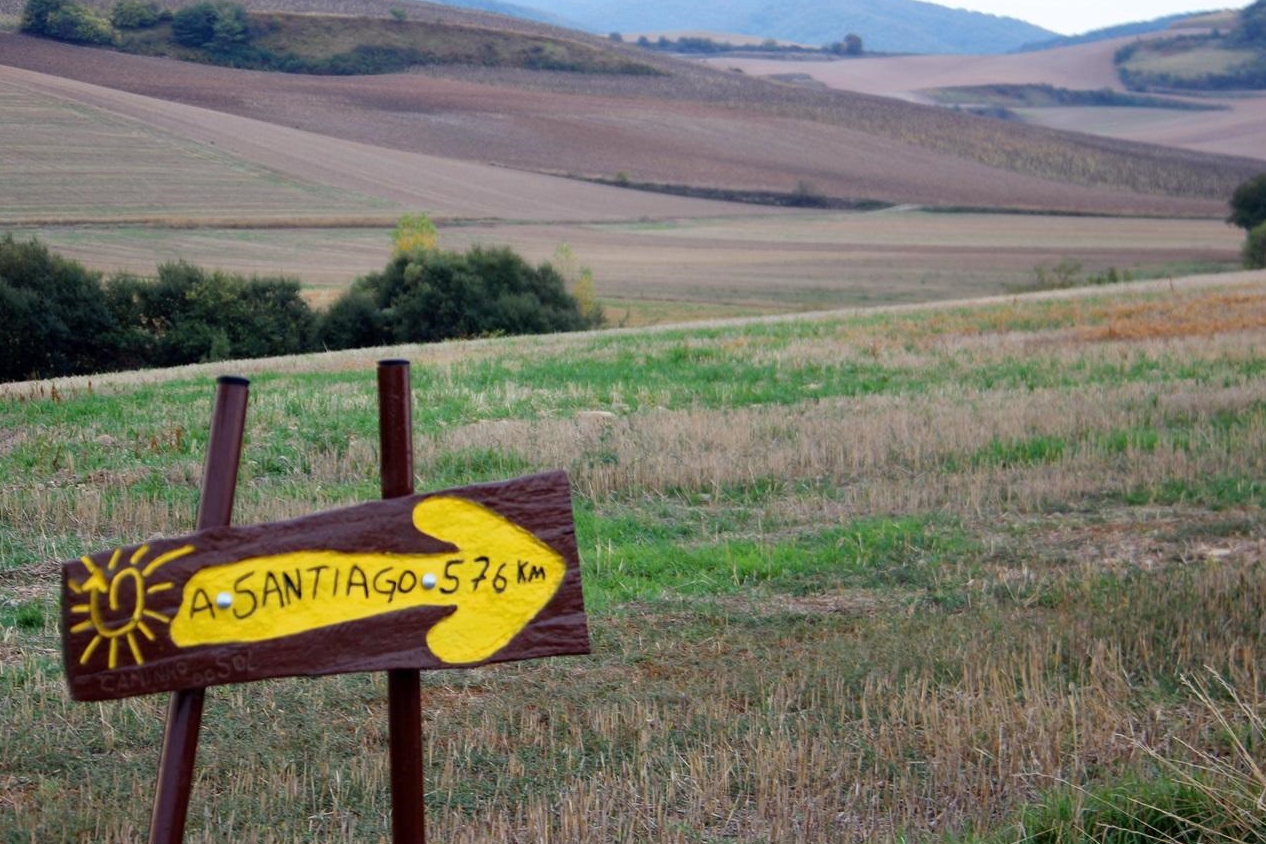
891,575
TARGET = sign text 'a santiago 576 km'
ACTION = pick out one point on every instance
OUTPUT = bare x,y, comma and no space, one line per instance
485,573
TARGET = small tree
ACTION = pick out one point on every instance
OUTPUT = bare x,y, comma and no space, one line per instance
414,231
580,280
852,44
219,27
1248,203
135,14
194,26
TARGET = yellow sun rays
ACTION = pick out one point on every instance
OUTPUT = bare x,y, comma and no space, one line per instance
116,625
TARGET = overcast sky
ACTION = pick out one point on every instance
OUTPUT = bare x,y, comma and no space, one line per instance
1073,17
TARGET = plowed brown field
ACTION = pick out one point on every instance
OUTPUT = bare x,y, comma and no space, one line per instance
697,127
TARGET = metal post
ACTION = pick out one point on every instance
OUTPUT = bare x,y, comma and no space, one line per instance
404,694
184,713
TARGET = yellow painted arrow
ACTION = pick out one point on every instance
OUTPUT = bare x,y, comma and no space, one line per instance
499,579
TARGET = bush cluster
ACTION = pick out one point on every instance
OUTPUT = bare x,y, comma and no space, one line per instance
58,318
66,20
850,46
425,295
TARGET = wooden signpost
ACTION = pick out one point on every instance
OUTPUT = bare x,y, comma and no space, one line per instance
459,578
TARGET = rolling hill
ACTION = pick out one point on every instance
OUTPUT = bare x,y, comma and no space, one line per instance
690,126
1236,128
903,26
513,10
1120,31
125,161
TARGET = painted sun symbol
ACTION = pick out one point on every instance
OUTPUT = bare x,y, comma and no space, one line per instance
115,604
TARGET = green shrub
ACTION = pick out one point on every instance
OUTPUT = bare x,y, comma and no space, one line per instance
220,28
425,295
135,14
189,315
354,321
194,26
1255,249
1248,203
53,319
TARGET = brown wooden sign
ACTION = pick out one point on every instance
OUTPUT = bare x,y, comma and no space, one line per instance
465,577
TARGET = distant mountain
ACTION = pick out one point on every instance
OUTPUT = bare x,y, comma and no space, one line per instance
513,10
896,26
1120,31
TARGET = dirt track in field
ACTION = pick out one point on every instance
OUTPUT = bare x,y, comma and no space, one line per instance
648,130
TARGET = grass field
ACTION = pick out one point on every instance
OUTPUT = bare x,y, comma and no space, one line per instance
1210,60
939,574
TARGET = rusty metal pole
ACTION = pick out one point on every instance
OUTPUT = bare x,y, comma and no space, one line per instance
184,713
404,692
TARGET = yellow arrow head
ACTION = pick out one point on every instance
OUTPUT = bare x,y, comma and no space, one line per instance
497,580
500,578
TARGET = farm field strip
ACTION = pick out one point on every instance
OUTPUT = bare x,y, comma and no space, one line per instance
348,176
74,161
1088,67
765,262
1236,131
859,576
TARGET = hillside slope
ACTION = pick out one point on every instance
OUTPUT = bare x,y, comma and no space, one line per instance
693,126
1237,129
298,168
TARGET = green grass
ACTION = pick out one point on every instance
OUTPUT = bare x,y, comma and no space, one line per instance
643,563
29,616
